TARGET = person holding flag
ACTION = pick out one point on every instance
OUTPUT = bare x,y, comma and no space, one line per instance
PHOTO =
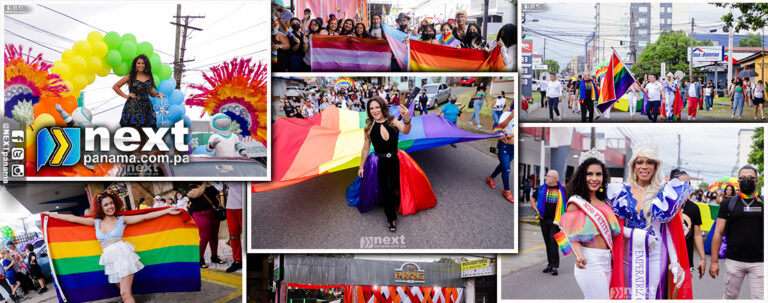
588,95
591,226
549,207
670,91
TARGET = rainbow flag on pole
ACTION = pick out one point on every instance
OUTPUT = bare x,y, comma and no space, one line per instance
426,57
167,246
563,243
350,54
618,79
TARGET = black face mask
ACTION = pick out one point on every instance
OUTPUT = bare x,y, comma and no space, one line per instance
747,186
295,26
473,35
403,27
427,36
453,101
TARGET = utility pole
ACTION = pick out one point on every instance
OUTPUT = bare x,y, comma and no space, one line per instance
592,138
178,63
679,164
730,59
544,52
485,19
690,64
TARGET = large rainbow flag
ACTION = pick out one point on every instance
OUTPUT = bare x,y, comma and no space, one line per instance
333,141
617,81
351,54
167,246
426,57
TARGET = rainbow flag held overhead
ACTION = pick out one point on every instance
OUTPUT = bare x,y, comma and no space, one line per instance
343,83
167,246
351,54
333,141
426,57
563,243
384,11
618,79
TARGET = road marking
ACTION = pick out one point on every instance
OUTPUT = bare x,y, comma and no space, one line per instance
231,296
228,280
526,250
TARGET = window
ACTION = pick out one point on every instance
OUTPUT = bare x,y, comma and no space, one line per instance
624,32
643,44
643,21
642,32
642,9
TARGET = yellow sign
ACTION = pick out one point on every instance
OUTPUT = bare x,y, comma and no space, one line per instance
474,264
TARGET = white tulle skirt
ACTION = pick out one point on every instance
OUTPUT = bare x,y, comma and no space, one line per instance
120,260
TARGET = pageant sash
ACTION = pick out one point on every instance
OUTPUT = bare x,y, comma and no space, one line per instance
639,266
597,217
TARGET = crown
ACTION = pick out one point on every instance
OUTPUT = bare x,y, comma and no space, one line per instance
645,143
592,153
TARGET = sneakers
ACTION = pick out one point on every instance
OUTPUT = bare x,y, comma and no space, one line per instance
547,270
554,271
471,123
490,182
202,263
508,195
479,126
732,115
42,290
215,260
235,267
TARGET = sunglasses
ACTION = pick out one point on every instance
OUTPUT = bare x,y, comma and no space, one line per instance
747,178
649,162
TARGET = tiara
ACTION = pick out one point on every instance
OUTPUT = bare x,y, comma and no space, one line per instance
592,153
645,143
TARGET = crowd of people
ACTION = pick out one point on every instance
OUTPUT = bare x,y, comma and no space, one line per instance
291,35
613,228
20,272
675,98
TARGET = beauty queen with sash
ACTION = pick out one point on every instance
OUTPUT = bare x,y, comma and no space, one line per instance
653,253
591,226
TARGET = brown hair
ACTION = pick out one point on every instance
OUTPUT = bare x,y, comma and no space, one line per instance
384,112
98,212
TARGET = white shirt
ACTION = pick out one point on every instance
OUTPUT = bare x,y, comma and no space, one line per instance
227,146
554,89
543,85
758,92
510,128
235,195
500,103
654,91
159,203
182,203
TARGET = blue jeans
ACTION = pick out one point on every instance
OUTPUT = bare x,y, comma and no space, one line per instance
477,106
738,103
652,110
708,102
496,117
552,103
506,155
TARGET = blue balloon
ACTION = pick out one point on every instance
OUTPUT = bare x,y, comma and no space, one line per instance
167,86
176,97
177,111
201,150
187,121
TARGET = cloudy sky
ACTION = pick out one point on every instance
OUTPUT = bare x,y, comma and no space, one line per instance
706,149
230,29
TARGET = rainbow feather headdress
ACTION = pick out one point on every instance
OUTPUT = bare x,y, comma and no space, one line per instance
238,88
27,79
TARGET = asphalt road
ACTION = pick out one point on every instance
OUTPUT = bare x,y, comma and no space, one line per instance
469,215
522,277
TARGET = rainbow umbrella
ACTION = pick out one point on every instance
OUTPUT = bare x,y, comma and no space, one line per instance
343,83
333,141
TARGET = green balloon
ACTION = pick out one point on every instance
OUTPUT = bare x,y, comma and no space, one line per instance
128,50
165,72
112,39
154,60
113,58
128,37
156,79
122,69
145,48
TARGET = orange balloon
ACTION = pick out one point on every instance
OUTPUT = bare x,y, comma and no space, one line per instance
48,105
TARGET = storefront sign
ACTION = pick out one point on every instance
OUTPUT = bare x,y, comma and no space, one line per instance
409,273
707,53
477,268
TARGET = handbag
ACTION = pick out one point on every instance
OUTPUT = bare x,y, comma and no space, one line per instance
221,212
471,103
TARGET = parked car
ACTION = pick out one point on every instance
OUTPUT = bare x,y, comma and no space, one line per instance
293,91
535,85
310,89
436,93
468,81
43,260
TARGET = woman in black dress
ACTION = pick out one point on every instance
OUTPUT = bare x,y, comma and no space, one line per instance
383,130
138,110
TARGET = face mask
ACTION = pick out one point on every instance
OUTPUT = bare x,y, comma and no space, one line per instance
453,101
747,186
295,26
473,35
427,36
403,27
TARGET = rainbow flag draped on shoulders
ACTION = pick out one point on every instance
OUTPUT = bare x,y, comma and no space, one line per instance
167,246
544,194
618,79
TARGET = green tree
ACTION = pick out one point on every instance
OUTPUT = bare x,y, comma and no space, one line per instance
552,66
751,40
756,156
672,48
704,186
752,15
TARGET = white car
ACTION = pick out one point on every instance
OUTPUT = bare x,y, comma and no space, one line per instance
293,91
436,93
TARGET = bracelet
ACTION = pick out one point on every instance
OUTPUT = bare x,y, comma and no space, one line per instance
408,122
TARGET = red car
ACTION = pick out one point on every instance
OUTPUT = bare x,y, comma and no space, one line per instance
468,81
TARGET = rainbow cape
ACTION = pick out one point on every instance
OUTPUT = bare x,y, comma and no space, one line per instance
333,141
618,79
426,57
167,246
542,198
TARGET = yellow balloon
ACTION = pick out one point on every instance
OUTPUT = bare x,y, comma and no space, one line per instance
80,81
99,49
78,65
94,64
43,120
67,55
95,36
62,69
30,136
91,78
82,48
105,69
69,85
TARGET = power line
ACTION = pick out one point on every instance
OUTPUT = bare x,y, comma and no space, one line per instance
197,68
225,16
226,36
42,30
72,18
33,41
